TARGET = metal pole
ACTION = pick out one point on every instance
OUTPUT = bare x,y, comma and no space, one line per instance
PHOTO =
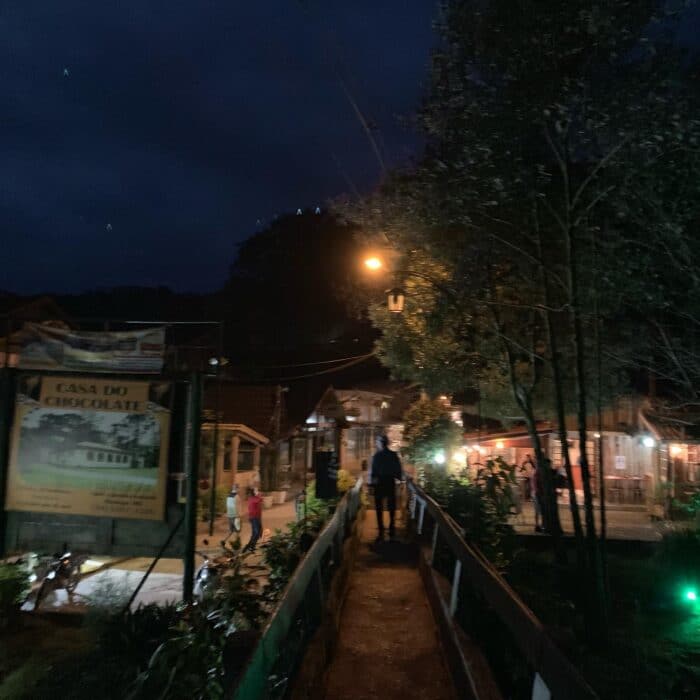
192,434
215,453
6,406
217,411
154,562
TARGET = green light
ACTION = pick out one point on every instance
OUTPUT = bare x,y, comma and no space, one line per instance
691,595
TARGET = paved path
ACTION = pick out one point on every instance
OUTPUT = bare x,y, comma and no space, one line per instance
388,645
625,524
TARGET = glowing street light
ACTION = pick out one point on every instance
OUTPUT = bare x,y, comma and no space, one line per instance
648,441
440,457
373,263
691,595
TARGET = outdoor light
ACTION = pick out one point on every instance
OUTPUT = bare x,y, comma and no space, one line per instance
648,441
499,445
691,595
373,263
213,361
596,435
396,298
440,457
676,450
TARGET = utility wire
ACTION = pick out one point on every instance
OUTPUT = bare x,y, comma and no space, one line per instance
356,361
309,364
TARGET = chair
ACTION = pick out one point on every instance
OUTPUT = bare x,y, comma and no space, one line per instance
637,492
615,491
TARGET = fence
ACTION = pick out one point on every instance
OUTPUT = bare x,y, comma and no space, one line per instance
298,614
525,661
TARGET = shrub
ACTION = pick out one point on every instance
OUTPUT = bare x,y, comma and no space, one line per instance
481,508
14,586
345,481
204,501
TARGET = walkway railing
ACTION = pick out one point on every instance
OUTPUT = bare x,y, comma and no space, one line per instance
299,610
522,656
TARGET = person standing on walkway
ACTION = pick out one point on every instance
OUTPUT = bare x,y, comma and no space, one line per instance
255,517
234,518
383,474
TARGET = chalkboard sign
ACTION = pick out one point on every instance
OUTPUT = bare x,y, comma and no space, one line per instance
326,467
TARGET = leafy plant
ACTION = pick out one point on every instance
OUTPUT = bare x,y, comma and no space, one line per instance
428,430
345,481
14,586
204,502
480,508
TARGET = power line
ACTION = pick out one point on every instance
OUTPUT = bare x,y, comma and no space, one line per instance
356,361
309,364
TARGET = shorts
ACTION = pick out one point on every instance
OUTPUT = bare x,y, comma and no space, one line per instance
234,524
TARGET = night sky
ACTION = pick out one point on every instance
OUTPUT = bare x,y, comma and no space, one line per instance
141,139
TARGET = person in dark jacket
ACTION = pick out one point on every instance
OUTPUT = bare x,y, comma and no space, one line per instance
385,470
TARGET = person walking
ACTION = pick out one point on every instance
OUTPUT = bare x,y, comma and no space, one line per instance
255,517
234,519
384,472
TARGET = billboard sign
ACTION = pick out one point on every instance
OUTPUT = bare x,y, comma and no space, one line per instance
90,446
42,346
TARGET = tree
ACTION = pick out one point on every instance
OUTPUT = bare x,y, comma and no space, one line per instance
288,290
540,119
428,432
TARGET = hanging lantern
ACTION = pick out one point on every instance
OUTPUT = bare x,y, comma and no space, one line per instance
395,300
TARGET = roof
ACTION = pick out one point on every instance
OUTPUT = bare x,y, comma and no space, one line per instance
41,309
668,425
243,430
101,446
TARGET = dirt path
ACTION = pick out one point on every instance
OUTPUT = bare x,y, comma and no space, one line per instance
388,645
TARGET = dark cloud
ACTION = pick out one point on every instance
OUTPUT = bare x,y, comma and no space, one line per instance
142,139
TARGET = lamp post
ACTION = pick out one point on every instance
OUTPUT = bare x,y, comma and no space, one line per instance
396,296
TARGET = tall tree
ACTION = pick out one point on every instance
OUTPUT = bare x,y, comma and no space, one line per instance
540,119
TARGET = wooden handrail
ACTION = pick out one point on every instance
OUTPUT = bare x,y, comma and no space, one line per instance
561,677
254,678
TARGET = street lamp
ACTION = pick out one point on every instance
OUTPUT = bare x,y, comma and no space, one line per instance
396,299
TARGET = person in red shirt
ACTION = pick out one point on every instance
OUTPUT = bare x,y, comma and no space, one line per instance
255,517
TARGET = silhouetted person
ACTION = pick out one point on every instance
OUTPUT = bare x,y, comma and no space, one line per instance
385,470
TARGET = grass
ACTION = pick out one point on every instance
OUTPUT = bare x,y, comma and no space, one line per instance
49,476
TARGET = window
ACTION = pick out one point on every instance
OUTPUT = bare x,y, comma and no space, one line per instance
101,456
109,456
245,460
91,455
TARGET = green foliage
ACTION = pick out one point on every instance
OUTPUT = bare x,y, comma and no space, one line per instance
204,502
345,481
481,508
427,429
14,586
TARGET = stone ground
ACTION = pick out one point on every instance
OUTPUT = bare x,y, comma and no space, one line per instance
388,645
623,523
117,578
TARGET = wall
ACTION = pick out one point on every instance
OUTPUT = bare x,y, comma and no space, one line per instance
48,532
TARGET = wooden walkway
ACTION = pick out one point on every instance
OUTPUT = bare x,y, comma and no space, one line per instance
388,645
